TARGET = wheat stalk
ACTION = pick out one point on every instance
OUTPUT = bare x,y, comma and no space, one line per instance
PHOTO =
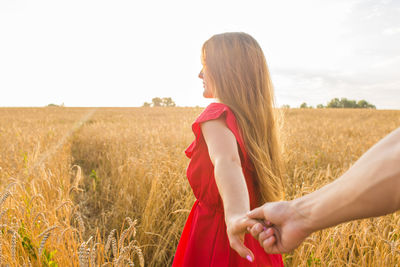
80,223
123,236
2,213
1,247
89,240
37,216
83,255
123,254
35,197
110,236
93,254
16,182
4,197
116,262
130,263
78,175
127,232
63,204
29,262
44,239
13,245
114,246
48,230
139,252
130,222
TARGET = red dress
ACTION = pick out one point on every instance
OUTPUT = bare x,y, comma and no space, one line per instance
204,241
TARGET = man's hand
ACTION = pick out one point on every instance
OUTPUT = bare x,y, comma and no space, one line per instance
286,227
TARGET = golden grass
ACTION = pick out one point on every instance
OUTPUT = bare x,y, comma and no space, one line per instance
94,187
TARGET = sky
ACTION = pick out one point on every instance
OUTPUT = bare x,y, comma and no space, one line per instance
123,53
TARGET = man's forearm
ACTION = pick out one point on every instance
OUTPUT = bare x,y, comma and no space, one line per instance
371,187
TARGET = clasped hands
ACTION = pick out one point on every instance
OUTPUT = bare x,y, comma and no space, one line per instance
277,226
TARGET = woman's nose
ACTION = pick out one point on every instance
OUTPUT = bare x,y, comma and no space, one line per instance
201,76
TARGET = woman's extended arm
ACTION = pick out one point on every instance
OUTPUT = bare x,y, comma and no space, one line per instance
371,187
224,154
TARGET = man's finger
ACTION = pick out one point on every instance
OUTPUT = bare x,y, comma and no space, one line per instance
270,246
269,242
256,230
265,234
257,213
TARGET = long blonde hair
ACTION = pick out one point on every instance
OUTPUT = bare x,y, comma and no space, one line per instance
240,78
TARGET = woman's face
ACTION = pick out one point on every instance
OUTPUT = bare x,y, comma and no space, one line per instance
208,91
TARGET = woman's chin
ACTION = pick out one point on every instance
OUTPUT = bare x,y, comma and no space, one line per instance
207,95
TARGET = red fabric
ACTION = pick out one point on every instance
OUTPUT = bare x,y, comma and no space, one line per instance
204,241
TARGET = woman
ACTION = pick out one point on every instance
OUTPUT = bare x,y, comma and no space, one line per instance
235,160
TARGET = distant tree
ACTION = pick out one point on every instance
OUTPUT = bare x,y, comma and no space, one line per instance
304,105
364,104
334,103
156,102
320,106
168,102
347,103
285,106
52,105
160,102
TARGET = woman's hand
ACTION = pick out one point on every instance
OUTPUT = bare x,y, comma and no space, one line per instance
236,227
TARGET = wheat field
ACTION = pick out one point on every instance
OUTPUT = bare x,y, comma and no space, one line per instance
107,186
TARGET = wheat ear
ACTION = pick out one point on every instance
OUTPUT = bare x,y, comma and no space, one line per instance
83,255
1,247
114,246
80,223
48,230
4,197
13,245
110,236
44,239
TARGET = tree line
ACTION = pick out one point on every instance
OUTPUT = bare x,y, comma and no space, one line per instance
334,103
342,103
160,102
